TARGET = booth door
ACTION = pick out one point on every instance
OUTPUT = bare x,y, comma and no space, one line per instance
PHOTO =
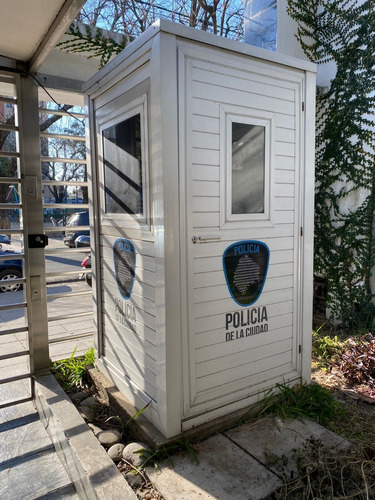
243,248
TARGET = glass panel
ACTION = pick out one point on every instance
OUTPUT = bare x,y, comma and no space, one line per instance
247,168
7,113
123,167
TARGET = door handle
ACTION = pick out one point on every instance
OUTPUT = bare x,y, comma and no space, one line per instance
203,239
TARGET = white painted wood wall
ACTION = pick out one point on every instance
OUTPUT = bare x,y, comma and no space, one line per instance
177,355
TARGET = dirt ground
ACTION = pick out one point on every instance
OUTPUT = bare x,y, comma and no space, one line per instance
356,418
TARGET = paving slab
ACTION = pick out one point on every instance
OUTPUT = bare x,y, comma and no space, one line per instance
17,415
224,472
34,477
18,442
274,441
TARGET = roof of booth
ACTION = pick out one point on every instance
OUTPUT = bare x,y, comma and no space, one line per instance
30,29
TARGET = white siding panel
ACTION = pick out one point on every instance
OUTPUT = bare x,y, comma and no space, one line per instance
143,316
274,244
284,176
138,334
144,295
245,82
226,305
203,204
220,291
206,157
205,124
217,321
285,162
248,354
284,190
265,379
206,220
245,98
142,352
243,372
204,188
206,173
285,135
285,121
284,217
284,203
208,264
284,148
206,141
213,338
141,376
205,107
216,278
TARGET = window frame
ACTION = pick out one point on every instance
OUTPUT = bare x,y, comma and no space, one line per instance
124,112
229,115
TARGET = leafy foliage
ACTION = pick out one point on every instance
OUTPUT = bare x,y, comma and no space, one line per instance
324,347
71,372
310,401
94,42
357,361
343,31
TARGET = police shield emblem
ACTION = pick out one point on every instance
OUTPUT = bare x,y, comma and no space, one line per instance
245,267
124,264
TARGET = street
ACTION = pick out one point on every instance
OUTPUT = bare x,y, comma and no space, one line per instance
57,328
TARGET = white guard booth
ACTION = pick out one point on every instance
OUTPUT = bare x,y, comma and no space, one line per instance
202,157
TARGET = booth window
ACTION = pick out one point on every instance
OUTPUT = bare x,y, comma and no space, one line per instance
122,160
248,168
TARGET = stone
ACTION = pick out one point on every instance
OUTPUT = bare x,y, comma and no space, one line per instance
90,401
86,413
115,452
134,480
77,397
133,453
109,438
95,429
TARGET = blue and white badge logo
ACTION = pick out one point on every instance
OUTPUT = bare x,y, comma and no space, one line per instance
245,266
124,264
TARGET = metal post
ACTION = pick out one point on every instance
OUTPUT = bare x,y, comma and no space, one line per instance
31,189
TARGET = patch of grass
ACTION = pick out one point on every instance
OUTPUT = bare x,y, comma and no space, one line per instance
71,372
301,401
170,449
327,473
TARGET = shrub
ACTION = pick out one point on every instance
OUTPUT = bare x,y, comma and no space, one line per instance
357,361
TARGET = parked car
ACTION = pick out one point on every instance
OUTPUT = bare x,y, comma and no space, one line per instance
10,269
77,219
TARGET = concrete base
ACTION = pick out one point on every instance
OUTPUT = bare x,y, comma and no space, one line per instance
224,472
143,430
92,472
241,463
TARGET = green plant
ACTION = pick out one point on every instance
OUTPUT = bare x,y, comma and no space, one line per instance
71,372
324,347
343,32
310,401
166,451
93,42
357,361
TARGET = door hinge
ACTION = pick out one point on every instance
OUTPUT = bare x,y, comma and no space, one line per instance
301,231
303,106
299,349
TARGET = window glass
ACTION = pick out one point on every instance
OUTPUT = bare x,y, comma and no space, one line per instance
123,167
248,166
